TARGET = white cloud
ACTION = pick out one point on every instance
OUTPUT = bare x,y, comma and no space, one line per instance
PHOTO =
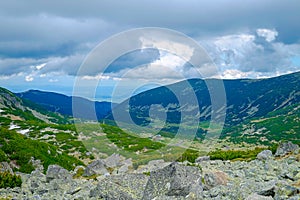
38,67
269,35
168,66
29,78
245,56
234,74
182,50
97,77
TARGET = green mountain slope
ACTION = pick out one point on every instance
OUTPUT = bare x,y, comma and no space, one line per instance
246,99
282,124
28,132
16,108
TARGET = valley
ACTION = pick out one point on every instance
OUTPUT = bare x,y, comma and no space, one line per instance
34,136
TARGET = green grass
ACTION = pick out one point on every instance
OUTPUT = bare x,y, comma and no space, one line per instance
246,155
8,180
20,148
129,142
280,125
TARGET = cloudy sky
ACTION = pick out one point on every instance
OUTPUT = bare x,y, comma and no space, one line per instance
43,43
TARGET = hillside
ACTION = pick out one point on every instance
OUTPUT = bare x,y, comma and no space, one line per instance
29,133
246,99
62,104
15,108
278,125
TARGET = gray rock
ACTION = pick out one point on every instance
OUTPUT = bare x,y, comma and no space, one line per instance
152,166
202,158
36,164
4,166
285,148
264,155
255,196
113,161
174,180
57,172
212,179
96,167
268,189
129,186
287,191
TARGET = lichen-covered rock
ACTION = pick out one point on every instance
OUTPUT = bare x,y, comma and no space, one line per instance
214,178
152,166
129,186
95,168
113,161
202,159
174,180
285,148
267,189
286,191
4,166
264,155
255,196
57,172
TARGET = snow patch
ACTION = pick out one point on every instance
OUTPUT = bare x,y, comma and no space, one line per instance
13,126
23,132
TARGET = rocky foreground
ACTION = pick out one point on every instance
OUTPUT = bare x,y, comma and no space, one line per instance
268,177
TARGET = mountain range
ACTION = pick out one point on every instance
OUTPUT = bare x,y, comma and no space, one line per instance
246,100
62,104
253,107
259,113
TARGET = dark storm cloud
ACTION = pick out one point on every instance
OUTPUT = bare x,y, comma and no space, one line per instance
133,59
61,33
191,16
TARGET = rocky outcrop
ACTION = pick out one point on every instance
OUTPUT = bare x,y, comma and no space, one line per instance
174,180
202,158
114,164
285,148
265,155
57,172
127,186
96,168
265,178
152,166
5,167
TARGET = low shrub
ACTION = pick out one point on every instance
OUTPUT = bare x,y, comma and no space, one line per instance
8,180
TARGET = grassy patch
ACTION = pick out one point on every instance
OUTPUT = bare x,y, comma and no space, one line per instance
8,180
129,142
246,155
20,148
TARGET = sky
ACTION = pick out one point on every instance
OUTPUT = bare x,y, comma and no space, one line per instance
44,43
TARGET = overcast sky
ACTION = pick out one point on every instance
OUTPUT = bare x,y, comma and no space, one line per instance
43,43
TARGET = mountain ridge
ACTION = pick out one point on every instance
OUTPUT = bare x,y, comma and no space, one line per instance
245,98
60,103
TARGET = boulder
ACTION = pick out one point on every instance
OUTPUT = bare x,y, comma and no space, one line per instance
268,189
113,161
202,158
255,196
37,164
174,180
5,167
264,155
214,178
287,191
285,148
152,166
128,186
95,168
57,172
